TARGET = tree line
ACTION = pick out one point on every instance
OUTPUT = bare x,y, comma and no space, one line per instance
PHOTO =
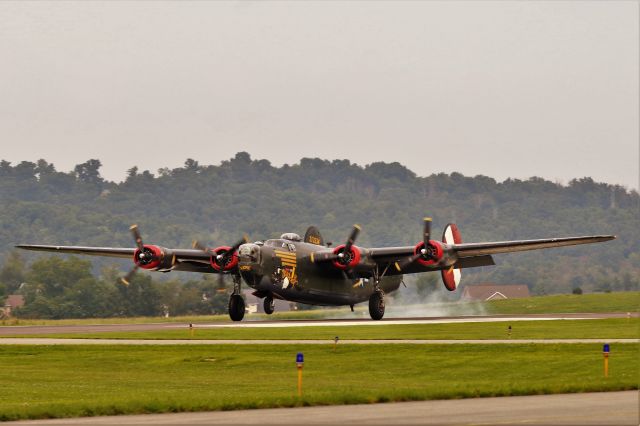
56,287
217,203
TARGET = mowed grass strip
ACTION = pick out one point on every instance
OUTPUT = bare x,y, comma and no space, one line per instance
628,301
69,381
562,303
611,328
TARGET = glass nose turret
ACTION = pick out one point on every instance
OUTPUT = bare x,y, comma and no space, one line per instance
249,253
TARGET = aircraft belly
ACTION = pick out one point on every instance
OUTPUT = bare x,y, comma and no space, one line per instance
290,278
313,291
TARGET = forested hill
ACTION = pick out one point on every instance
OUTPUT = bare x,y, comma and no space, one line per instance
218,203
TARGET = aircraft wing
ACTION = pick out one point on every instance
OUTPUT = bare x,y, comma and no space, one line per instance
92,251
193,260
479,249
181,254
470,255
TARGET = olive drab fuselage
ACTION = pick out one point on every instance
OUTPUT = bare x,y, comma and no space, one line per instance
284,269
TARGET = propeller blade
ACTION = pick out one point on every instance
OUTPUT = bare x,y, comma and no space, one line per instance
196,245
401,264
322,257
243,240
136,236
221,287
127,278
222,257
427,231
352,237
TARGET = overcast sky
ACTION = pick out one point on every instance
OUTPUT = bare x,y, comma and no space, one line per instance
504,89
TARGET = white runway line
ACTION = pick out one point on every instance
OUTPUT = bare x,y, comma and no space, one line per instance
257,324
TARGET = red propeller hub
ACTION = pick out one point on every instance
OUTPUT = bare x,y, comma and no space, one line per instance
149,258
346,259
222,260
432,255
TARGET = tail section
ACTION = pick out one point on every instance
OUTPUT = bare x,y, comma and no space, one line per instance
451,277
313,236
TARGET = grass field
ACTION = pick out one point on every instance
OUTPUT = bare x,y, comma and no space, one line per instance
568,303
600,302
615,328
65,381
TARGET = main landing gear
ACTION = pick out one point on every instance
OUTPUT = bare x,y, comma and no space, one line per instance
376,304
236,302
268,305
376,300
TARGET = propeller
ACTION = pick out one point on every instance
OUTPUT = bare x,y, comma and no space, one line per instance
352,237
426,252
197,245
136,236
221,259
344,256
236,246
143,256
127,278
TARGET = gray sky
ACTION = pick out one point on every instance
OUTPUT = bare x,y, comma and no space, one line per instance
505,89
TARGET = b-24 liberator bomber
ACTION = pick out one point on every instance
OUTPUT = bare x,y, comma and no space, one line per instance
312,272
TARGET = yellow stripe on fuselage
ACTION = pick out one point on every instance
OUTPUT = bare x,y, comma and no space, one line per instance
285,255
287,259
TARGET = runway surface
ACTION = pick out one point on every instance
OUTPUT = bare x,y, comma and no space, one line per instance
607,408
164,342
99,328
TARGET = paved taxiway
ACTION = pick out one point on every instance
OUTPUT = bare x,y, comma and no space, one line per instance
99,328
606,408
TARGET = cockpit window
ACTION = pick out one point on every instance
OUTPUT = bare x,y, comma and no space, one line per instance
291,236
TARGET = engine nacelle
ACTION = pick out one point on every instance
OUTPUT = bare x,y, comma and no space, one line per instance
346,259
223,263
432,255
154,258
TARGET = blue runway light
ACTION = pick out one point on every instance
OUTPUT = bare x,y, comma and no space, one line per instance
299,358
605,348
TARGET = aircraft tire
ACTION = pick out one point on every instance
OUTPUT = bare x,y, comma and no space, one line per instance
268,305
236,307
376,305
